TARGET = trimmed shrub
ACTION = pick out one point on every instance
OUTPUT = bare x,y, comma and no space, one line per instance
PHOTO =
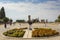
44,32
14,33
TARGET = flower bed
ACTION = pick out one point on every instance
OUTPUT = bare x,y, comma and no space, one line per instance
44,32
24,28
14,33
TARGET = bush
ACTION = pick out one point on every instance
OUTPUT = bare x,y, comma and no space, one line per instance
14,33
20,21
44,32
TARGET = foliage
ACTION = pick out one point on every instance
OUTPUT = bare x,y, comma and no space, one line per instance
10,20
21,21
35,20
44,32
14,33
58,19
5,20
3,17
2,13
42,20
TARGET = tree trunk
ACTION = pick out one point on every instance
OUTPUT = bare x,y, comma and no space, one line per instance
5,25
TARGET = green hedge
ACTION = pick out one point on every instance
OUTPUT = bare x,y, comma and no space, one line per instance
14,33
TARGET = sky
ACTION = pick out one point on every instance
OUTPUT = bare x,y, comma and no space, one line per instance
42,9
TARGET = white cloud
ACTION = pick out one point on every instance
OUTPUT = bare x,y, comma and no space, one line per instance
41,10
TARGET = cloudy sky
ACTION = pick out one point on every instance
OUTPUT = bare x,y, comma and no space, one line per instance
42,9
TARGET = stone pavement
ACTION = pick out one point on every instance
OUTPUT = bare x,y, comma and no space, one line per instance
28,34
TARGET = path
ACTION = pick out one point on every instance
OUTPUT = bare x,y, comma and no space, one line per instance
28,34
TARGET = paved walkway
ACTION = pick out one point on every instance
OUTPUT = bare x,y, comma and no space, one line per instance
28,34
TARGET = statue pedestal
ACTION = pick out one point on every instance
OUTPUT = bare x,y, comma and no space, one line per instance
30,27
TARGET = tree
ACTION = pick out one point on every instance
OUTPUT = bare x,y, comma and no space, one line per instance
43,21
2,13
20,21
58,19
35,20
5,20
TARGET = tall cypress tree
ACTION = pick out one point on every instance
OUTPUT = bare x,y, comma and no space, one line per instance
2,13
